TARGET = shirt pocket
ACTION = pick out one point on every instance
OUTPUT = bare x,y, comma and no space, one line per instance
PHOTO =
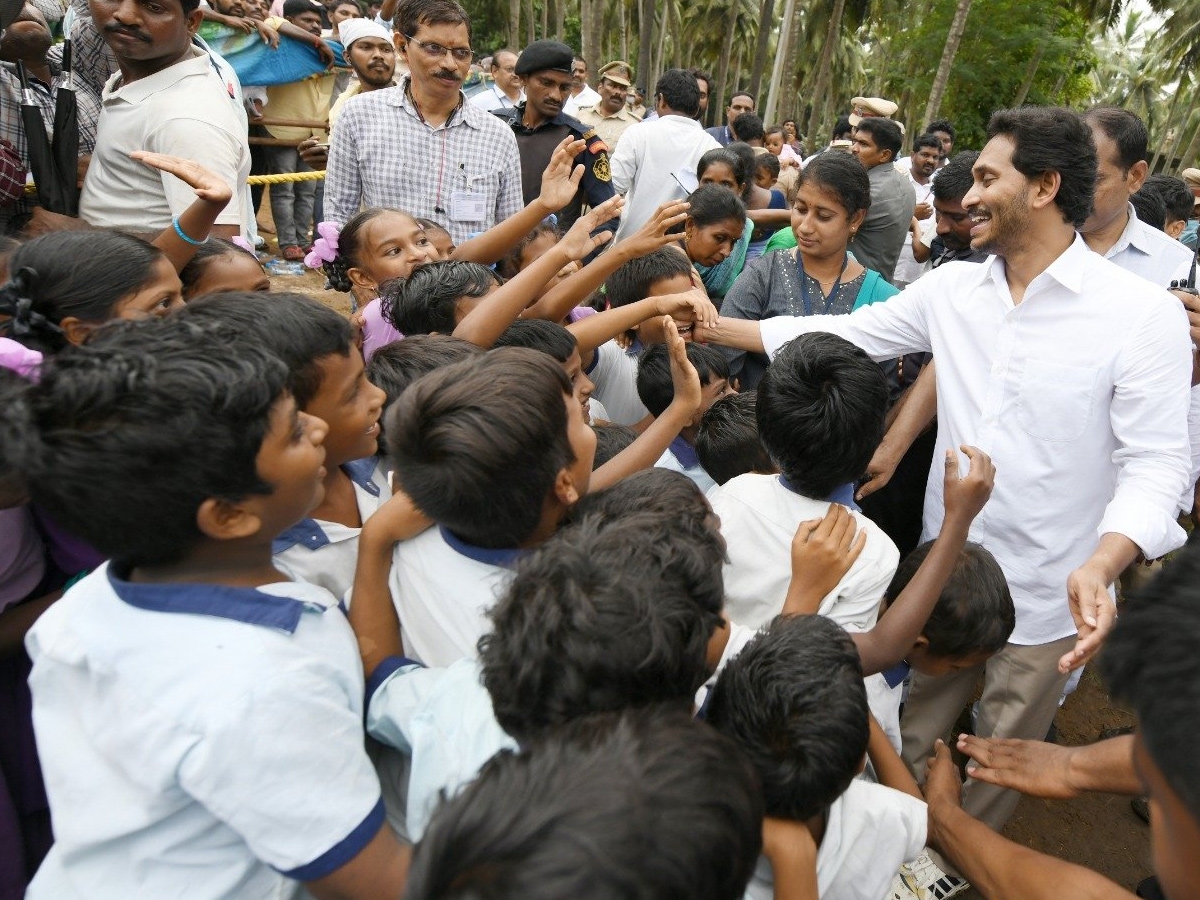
1055,402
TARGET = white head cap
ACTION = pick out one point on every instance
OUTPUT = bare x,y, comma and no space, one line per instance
352,29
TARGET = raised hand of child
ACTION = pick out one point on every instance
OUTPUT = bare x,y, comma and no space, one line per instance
560,180
823,551
964,497
579,241
692,307
685,380
654,234
396,520
208,187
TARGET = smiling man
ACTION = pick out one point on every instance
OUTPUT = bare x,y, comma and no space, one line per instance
419,146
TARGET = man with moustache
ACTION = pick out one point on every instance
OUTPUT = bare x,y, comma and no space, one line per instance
166,97
419,146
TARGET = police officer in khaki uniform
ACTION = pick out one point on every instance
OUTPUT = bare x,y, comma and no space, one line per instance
611,116
540,125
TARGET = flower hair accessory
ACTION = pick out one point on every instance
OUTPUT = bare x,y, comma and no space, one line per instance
240,241
325,248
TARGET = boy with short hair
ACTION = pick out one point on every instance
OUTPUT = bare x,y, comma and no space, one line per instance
656,391
178,688
727,440
436,296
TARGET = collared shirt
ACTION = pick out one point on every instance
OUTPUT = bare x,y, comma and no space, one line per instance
383,154
721,134
187,110
649,155
44,96
614,371
610,128
878,242
198,740
586,97
325,553
1079,394
343,98
1144,250
681,457
493,98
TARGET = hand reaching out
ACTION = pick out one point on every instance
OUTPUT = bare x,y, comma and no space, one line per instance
965,497
685,380
943,787
579,242
560,181
207,186
825,549
268,34
654,234
687,308
880,470
1030,767
1094,613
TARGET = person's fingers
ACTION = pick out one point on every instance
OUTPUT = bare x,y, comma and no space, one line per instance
825,526
805,530
870,486
978,749
856,548
1085,648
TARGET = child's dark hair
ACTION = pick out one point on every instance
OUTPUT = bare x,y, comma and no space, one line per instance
843,176
426,301
645,804
1175,194
349,252
795,702
633,280
611,440
395,366
655,388
296,328
769,162
478,445
748,127
746,154
510,263
659,491
711,204
821,409
122,440
539,334
212,249
974,613
725,157
607,615
430,225
727,441
1150,208
71,274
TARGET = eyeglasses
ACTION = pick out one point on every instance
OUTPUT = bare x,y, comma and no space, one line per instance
437,51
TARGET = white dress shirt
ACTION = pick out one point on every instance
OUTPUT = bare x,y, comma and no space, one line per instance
643,163
587,97
494,98
1079,394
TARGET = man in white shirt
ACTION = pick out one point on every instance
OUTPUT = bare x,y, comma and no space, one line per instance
651,153
926,156
1072,375
582,93
504,92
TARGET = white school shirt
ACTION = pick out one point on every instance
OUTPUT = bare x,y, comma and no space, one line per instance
869,832
442,588
759,517
646,158
1079,394
614,372
325,553
680,456
198,741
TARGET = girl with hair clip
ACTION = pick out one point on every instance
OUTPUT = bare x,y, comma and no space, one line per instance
63,285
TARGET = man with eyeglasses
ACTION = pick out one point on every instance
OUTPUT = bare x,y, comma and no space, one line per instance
504,92
420,146
539,125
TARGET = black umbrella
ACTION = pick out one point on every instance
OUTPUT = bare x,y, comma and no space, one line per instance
66,129
54,167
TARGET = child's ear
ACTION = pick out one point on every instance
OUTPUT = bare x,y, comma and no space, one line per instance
565,489
75,330
362,280
921,644
222,520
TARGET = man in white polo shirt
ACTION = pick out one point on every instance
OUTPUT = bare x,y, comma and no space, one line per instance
1072,374
168,97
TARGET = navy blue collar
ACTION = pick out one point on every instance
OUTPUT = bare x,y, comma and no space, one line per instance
684,452
501,557
247,605
843,494
308,531
896,674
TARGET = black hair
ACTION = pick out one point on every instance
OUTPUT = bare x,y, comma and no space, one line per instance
700,75
942,125
748,127
843,176
795,702
212,249
510,264
821,409
293,8
71,274
412,14
747,155
121,440
884,132
1123,128
349,252
296,328
773,129
539,334
768,161
606,615
842,128
1052,139
711,203
727,442
430,225
655,388
633,280
926,140
395,366
1150,208
189,6
477,445
974,612
1150,662
611,441
955,178
725,157
737,94
1175,194
427,300
679,91
647,804
662,492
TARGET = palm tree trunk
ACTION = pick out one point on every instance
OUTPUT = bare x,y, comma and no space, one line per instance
824,67
660,63
953,38
1170,119
545,18
716,99
1185,128
765,26
529,23
514,23
1030,74
645,41
556,18
782,50
624,36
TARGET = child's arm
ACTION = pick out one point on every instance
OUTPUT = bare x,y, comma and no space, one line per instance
792,852
653,442
212,196
372,613
560,182
592,331
823,551
287,29
488,320
559,300
379,870
898,628
916,410
889,767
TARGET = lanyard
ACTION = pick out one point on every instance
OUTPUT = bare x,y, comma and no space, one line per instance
804,285
437,207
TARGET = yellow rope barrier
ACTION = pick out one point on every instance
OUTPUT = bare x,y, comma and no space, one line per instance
31,188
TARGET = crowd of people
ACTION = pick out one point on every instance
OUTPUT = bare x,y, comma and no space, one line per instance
666,502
